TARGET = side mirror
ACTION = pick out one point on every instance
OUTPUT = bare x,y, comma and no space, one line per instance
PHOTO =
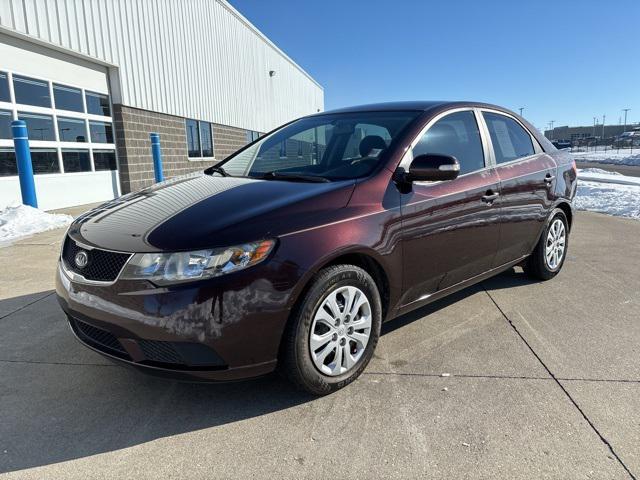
432,168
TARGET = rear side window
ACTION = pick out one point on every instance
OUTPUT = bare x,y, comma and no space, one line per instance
510,140
456,135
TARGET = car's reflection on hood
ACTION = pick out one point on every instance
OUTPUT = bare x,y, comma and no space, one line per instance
202,211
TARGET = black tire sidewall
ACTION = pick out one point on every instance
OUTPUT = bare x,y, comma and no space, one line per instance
327,281
538,262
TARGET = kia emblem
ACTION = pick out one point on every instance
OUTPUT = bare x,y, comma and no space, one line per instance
81,259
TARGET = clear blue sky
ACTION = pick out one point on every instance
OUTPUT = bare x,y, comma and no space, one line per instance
562,60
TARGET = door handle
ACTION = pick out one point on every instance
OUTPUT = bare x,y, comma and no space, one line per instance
549,178
490,196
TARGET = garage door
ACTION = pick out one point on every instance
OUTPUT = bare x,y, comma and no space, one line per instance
66,104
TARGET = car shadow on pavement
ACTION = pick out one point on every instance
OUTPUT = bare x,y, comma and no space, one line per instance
514,277
60,402
509,279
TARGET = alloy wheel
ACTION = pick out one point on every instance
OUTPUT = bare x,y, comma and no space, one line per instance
555,245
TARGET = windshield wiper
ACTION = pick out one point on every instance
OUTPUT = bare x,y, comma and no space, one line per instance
215,169
294,177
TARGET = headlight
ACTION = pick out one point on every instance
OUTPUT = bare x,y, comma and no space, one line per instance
168,268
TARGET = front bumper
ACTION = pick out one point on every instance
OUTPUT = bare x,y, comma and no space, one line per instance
222,329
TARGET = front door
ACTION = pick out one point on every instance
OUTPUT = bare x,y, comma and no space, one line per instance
450,228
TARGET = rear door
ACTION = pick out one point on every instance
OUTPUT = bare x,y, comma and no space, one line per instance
527,182
450,228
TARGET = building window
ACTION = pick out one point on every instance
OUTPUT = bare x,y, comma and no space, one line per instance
76,160
45,160
41,103
101,132
199,138
104,160
39,127
193,139
252,136
72,130
29,91
5,124
8,165
42,161
98,104
4,88
206,139
67,98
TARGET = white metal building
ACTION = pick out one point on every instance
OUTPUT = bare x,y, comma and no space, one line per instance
92,79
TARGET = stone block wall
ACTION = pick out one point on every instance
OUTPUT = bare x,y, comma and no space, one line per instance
132,129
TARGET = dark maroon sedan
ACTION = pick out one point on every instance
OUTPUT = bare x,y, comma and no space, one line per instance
293,251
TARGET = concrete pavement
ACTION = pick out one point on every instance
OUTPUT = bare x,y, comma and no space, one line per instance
544,383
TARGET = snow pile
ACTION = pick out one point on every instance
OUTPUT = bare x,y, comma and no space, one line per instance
17,221
608,192
599,175
583,171
617,157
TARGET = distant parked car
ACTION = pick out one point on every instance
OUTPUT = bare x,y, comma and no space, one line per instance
627,139
561,144
293,251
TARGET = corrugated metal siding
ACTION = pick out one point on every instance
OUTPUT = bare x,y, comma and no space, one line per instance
192,58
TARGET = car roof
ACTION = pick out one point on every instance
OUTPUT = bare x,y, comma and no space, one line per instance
440,106
390,106
418,105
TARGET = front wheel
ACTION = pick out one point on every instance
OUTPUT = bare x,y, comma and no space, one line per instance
549,254
333,333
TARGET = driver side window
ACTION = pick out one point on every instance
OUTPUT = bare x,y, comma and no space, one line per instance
457,135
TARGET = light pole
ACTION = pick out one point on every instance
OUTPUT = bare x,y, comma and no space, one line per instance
521,109
551,123
625,110
594,127
603,119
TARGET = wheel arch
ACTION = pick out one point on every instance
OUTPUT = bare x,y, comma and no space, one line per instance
568,211
566,208
360,257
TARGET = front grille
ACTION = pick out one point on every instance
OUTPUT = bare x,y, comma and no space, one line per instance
161,352
102,265
98,338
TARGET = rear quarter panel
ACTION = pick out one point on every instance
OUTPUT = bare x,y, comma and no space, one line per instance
567,178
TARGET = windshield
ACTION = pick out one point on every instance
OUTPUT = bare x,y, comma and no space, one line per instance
331,147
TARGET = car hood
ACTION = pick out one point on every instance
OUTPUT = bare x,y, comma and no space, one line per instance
204,211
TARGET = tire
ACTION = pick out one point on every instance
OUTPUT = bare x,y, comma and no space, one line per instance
303,365
539,265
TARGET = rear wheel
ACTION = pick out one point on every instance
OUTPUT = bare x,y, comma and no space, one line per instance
333,333
549,254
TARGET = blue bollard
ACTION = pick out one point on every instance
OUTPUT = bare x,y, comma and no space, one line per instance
157,156
23,158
